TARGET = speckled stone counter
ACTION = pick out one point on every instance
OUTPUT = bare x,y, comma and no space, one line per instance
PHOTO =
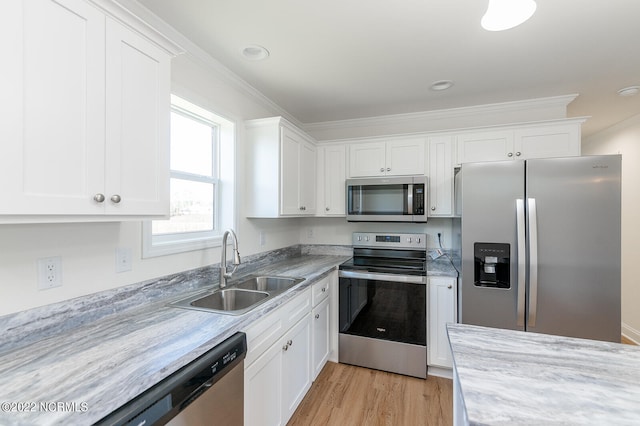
441,267
104,359
505,377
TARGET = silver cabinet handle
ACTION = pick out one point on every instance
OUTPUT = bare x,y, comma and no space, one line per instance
518,154
116,198
324,289
285,347
317,316
433,208
388,169
449,286
382,169
327,208
510,154
98,198
289,342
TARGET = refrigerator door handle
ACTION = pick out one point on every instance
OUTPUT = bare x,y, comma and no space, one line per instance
533,261
522,260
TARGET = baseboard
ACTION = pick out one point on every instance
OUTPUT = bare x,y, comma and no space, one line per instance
446,373
631,333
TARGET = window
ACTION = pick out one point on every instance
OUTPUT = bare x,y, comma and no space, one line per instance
201,182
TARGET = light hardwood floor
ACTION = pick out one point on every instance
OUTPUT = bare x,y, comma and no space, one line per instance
346,395
626,341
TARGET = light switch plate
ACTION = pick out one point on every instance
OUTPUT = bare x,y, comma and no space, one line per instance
123,259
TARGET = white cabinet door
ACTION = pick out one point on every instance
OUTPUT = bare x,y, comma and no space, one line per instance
320,317
440,176
485,146
52,131
548,141
442,310
307,179
405,157
289,183
296,361
138,102
367,159
332,174
263,389
391,158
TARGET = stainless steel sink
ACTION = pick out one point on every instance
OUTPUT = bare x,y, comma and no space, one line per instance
240,297
268,284
230,300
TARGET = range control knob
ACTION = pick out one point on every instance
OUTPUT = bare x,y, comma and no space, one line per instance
409,239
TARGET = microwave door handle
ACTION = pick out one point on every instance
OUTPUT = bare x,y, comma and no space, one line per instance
410,199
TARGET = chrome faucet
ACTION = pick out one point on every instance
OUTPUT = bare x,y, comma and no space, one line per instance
224,275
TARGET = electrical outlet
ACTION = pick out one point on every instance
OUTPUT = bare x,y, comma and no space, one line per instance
310,233
49,272
123,259
263,238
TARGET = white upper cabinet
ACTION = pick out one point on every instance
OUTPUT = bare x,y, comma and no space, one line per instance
85,119
281,169
332,174
540,140
440,176
397,157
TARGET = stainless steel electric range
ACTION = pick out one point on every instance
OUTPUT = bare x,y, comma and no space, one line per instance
383,306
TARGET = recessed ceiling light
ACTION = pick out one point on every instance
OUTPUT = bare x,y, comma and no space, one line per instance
629,91
441,85
254,52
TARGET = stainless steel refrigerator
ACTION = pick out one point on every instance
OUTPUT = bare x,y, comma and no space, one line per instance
540,243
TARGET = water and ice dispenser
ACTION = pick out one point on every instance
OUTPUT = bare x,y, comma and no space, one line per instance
491,265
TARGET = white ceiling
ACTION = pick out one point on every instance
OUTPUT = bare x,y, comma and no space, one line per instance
342,59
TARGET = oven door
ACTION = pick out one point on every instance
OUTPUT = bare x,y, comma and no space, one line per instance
383,322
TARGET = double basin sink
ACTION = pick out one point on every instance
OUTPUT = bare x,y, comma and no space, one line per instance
241,297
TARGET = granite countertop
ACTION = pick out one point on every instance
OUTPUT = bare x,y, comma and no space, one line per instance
96,367
441,267
511,377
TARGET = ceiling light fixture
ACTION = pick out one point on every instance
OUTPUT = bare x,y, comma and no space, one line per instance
504,14
254,52
629,91
441,85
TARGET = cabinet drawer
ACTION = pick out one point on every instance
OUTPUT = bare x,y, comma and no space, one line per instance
320,290
263,334
296,309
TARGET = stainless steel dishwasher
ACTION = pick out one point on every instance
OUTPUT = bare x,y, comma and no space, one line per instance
207,391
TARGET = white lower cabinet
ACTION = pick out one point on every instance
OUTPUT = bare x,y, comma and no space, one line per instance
442,310
321,322
278,364
296,366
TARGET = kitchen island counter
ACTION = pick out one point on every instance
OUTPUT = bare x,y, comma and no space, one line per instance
506,377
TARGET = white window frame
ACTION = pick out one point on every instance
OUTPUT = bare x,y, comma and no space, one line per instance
224,189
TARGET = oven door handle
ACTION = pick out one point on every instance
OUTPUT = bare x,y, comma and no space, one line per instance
412,279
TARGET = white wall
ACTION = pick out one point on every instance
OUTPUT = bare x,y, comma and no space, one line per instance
624,138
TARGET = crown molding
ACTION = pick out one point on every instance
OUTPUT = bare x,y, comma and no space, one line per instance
555,102
202,58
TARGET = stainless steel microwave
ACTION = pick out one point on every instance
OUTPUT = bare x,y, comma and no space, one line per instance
387,199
